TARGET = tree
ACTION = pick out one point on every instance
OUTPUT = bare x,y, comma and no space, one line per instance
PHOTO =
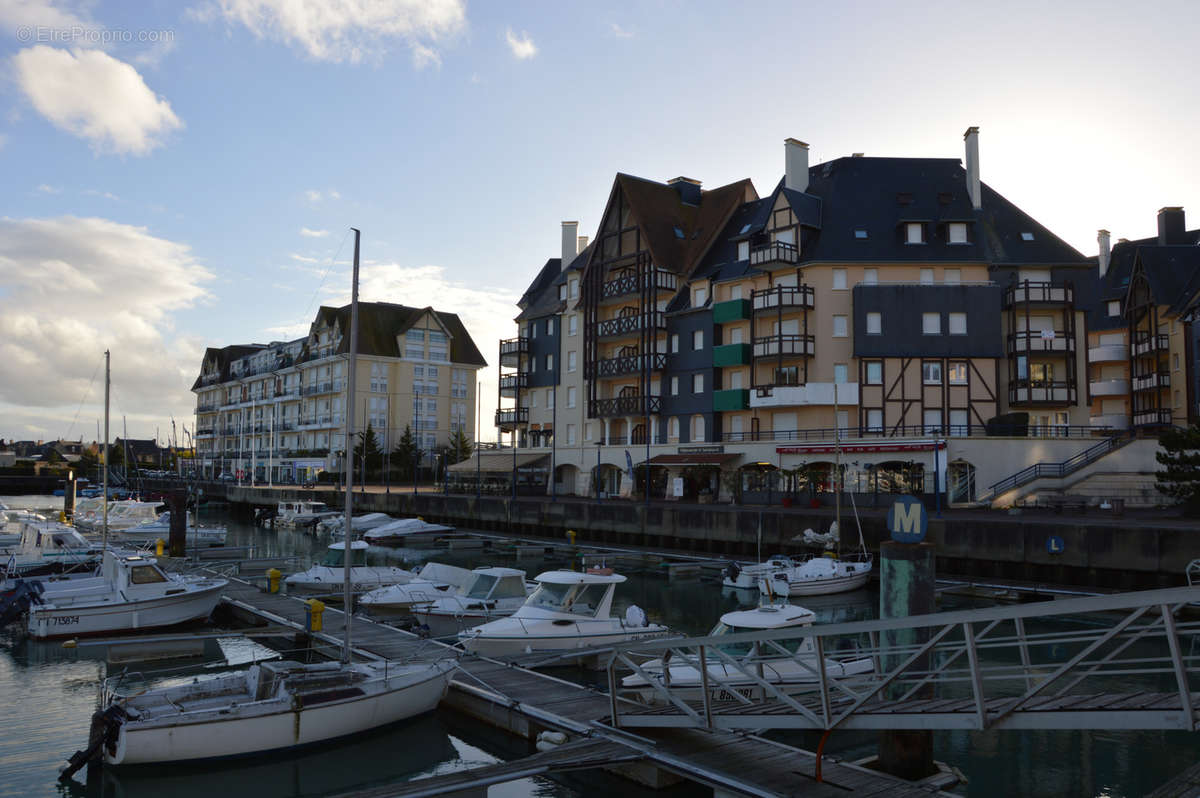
1180,455
405,454
461,447
368,441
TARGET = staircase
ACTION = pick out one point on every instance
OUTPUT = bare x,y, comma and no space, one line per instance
1055,470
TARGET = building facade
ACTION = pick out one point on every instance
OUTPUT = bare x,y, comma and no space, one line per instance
276,412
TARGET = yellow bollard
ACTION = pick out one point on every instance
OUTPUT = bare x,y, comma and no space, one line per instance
159,545
571,536
312,614
273,575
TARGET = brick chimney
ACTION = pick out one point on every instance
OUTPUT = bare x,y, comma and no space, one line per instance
1103,238
688,189
795,163
1171,226
974,189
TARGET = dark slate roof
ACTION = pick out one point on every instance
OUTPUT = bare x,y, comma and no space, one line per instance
541,298
225,357
1173,272
379,323
1115,283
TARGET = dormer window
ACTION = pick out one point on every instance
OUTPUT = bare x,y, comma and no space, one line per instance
1114,307
914,233
1026,236
956,232
743,250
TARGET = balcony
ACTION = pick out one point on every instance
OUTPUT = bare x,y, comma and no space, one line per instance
1027,293
1109,387
512,350
784,346
731,311
508,419
732,399
1146,344
777,255
624,406
633,284
1040,341
1113,421
1108,353
314,422
207,432
511,384
632,324
1152,418
728,355
207,408
810,394
629,364
316,388
783,298
1152,382
1041,392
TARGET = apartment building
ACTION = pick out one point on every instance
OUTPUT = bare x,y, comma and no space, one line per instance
276,412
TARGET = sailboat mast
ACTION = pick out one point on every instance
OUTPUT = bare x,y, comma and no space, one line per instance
837,471
348,540
104,504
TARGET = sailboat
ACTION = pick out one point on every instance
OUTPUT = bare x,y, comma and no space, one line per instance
273,706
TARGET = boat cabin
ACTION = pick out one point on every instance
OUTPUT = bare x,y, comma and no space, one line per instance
48,536
335,554
772,616
289,509
495,583
572,593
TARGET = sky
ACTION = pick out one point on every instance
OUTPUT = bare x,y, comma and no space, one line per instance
183,174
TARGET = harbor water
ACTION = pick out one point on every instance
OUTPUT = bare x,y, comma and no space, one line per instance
51,692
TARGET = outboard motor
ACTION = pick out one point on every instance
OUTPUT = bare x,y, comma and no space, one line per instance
732,571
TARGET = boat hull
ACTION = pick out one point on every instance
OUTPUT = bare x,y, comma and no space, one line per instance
76,619
787,678
493,646
839,584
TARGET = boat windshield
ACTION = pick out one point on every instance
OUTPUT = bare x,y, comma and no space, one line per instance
481,586
742,649
333,558
575,599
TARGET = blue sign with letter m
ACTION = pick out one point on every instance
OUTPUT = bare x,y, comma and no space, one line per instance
907,520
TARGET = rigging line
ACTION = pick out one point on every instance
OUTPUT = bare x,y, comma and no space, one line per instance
332,261
82,399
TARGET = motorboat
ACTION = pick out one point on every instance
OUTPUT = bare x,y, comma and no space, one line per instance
406,532
434,580
302,514
819,574
271,706
746,577
131,593
490,594
47,547
335,526
742,667
10,529
569,610
160,529
121,515
326,576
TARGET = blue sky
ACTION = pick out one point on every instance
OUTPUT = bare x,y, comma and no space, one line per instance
168,164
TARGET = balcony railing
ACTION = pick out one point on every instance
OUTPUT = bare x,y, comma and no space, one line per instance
507,418
658,280
829,434
207,408
1147,418
1108,353
1039,293
624,406
320,387
510,384
512,350
1152,382
776,255
630,364
783,297
1115,387
1023,341
635,323
784,346
207,432
1036,392
315,421
1146,344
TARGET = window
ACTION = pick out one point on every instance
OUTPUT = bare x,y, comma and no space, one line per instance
572,324
957,232
549,398
570,434
957,373
914,233
786,375
550,326
418,371
697,383
562,291
875,421
874,372
735,292
697,428
931,323
951,276
673,428
574,287
549,362
571,360
1114,307
416,336
860,233
870,276
532,364
674,386
959,423
839,327
699,297
432,372
735,335
933,421
571,396
533,330
874,324
698,340
587,431
926,276
743,250
533,398
839,279
735,380
840,372
931,372
1175,361
958,323
674,343
1026,236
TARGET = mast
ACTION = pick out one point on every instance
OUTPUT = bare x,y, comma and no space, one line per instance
837,470
106,389
348,540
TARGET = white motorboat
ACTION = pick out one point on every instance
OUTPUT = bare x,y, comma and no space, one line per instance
433,581
406,532
796,671
49,547
746,577
336,526
492,593
302,514
10,529
160,529
121,515
326,576
819,575
131,592
568,610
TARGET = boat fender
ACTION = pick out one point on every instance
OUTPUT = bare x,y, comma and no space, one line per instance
635,616
549,740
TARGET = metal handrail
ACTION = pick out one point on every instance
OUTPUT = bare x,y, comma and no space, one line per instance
1058,470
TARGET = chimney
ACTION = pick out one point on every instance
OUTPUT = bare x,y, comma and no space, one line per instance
581,244
569,242
1102,238
1171,227
687,189
972,163
795,164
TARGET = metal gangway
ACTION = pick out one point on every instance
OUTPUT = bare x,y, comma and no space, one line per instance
1120,661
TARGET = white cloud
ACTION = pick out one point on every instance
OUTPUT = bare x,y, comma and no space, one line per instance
333,194
423,56
94,96
48,189
40,13
304,231
72,287
347,30
620,32
315,195
304,259
522,46
91,192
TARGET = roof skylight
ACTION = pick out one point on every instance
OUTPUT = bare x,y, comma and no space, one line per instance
1026,236
860,233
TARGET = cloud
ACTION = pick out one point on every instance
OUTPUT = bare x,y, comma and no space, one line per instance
423,56
94,96
347,30
522,46
91,192
40,13
620,32
304,231
314,195
72,287
304,259
48,189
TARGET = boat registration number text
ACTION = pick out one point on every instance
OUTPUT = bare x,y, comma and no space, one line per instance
725,695
65,620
